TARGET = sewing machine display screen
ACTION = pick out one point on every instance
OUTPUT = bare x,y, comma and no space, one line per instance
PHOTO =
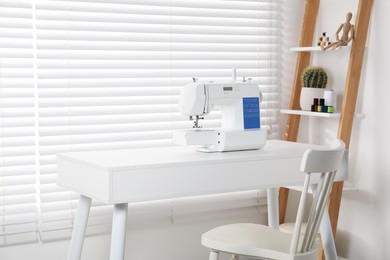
251,110
227,88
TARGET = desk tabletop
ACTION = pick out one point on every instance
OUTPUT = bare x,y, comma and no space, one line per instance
119,176
119,160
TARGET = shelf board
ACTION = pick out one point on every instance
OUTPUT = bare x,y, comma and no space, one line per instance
309,113
346,189
316,114
317,49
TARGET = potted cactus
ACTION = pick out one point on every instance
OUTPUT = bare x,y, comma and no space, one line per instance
314,80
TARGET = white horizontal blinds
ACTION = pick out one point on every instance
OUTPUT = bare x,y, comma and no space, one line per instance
225,34
209,38
109,75
269,81
98,89
18,215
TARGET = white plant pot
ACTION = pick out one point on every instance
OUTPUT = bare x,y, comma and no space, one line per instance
307,96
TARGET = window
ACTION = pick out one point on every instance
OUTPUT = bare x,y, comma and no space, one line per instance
18,200
93,74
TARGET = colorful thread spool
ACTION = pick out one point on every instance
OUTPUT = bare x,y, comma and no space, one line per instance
324,40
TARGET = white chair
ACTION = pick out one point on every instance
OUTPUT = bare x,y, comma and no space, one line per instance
260,241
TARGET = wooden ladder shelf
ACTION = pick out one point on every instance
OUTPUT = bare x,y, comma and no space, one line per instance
349,98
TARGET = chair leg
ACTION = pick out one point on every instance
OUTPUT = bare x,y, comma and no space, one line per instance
235,257
214,255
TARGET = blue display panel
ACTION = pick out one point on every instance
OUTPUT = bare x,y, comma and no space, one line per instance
251,109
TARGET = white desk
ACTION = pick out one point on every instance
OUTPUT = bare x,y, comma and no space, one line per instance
123,176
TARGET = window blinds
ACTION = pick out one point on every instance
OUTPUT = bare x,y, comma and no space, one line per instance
18,214
107,74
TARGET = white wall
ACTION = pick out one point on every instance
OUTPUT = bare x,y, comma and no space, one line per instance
364,226
364,218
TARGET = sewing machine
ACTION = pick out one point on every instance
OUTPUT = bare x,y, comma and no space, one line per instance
240,106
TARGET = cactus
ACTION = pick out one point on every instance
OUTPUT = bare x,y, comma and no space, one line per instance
314,77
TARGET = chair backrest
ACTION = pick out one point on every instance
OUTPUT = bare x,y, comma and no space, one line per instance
325,162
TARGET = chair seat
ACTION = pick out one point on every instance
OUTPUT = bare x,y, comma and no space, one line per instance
253,240
288,227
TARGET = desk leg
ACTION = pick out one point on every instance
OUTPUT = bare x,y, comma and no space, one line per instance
273,208
118,235
80,225
327,237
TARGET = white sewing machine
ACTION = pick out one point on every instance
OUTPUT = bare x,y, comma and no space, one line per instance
240,106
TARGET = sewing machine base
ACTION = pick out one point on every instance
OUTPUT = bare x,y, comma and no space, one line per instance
216,140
